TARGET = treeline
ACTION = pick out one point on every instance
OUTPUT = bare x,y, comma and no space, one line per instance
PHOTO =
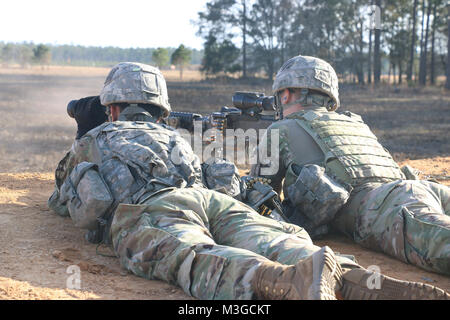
363,40
29,53
24,54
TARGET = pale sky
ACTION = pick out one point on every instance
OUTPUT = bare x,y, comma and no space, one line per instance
126,23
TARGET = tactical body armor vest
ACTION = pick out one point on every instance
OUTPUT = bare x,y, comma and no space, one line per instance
122,162
138,158
352,152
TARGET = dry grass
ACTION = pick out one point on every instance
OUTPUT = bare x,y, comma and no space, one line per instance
55,71
188,75
35,130
72,71
412,123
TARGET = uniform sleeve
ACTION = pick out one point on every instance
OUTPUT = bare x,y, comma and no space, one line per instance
78,153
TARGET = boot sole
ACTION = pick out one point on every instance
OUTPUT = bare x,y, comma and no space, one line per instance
389,289
327,275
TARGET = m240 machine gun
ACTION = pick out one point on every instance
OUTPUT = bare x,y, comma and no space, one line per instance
251,110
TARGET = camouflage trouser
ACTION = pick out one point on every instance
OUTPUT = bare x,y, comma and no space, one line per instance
205,242
409,220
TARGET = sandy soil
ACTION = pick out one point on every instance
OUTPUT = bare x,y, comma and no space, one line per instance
39,247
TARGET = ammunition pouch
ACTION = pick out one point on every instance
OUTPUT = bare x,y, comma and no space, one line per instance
315,195
87,196
54,203
297,217
223,176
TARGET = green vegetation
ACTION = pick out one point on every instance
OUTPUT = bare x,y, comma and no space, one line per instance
161,57
363,40
181,57
23,54
220,57
42,55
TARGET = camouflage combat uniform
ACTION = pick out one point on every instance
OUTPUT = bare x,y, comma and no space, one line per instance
407,219
164,224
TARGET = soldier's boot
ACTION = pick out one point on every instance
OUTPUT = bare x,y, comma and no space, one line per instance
361,284
313,278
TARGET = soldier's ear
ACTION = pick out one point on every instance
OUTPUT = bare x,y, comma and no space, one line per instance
115,112
285,96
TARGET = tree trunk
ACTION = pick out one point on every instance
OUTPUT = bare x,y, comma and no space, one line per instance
421,37
413,43
433,39
369,64
423,54
283,33
400,73
389,72
360,55
244,40
377,55
271,69
393,80
447,84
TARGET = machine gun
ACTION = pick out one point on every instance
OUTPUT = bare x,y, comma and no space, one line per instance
251,110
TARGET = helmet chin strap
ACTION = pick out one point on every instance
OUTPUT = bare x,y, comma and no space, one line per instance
301,101
291,104
108,113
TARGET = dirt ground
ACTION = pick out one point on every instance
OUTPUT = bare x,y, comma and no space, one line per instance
38,249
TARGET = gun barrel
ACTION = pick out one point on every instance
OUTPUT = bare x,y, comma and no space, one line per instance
185,115
185,120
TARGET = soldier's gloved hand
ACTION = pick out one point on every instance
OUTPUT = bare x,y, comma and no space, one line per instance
410,172
221,175
88,112
257,193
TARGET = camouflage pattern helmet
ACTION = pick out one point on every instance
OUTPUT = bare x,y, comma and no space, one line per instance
308,73
131,82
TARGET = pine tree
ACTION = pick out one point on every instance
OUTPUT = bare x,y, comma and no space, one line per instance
181,57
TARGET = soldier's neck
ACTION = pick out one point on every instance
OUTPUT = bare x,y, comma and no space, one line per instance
305,109
136,113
